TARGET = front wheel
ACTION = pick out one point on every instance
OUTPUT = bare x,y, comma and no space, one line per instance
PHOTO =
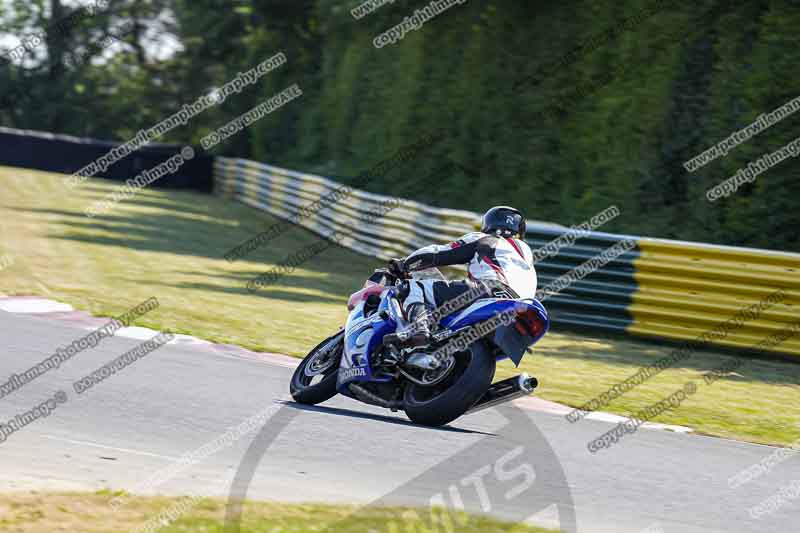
314,379
446,401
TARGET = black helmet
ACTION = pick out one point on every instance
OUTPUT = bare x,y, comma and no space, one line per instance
507,220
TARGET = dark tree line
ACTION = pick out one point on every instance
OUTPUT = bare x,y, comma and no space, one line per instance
562,108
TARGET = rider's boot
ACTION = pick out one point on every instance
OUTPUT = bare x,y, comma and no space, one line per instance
418,325
417,332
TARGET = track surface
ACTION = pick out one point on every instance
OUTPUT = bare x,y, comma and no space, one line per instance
178,398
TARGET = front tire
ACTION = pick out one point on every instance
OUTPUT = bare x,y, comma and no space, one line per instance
443,403
314,379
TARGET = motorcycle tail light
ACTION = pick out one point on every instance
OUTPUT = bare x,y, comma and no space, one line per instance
529,323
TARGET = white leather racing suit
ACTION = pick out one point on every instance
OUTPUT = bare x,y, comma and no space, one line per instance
494,260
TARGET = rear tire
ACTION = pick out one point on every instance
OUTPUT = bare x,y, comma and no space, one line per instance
302,386
424,406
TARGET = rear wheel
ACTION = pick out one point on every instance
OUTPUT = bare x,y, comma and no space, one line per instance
464,386
314,379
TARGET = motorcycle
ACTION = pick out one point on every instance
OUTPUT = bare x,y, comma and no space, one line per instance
369,361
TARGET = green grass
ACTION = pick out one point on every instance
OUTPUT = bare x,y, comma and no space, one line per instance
170,245
46,512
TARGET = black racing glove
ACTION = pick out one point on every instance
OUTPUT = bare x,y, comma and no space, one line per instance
397,268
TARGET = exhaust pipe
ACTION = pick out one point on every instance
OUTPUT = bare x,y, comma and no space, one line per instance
505,391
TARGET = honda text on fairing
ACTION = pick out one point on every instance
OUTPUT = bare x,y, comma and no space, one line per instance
433,383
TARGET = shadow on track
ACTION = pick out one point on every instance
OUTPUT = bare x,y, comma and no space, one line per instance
379,418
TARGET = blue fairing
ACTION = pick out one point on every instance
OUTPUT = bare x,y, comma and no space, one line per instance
490,307
512,343
362,337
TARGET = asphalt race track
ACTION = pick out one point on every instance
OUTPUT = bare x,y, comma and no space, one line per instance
176,399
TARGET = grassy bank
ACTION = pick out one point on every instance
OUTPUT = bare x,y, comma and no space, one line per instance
42,512
171,245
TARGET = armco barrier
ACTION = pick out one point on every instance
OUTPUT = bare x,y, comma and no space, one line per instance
687,288
663,289
602,299
284,192
67,154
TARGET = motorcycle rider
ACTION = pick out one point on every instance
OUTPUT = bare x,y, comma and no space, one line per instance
498,260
